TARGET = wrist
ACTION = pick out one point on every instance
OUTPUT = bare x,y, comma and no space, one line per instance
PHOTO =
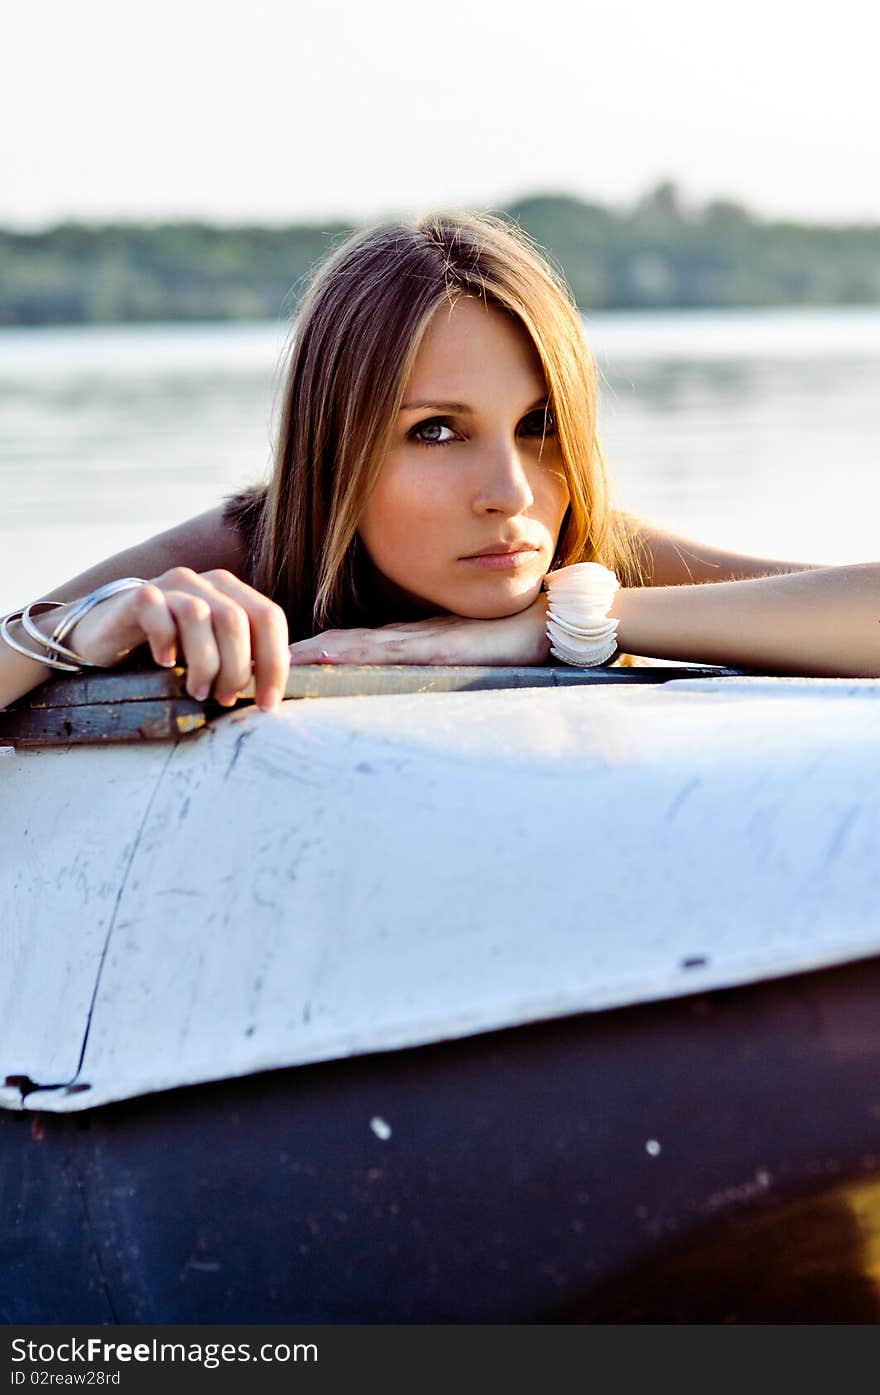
633,621
654,621
93,640
28,632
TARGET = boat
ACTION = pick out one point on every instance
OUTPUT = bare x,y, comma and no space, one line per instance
548,1002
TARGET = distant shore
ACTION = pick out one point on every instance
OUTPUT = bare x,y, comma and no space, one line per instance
659,254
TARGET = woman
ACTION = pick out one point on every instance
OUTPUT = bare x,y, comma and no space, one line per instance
438,458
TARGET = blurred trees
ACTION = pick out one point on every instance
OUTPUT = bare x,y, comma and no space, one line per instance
660,253
178,271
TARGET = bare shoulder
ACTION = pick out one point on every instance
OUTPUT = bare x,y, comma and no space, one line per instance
206,542
672,559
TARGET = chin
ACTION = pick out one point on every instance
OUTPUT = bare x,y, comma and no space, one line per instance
496,607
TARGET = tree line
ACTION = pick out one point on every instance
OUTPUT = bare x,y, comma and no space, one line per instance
658,254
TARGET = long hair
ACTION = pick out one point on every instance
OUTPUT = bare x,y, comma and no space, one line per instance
358,332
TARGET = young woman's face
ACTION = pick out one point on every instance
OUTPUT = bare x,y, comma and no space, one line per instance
474,471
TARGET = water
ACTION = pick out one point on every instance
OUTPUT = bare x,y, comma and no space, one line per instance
754,430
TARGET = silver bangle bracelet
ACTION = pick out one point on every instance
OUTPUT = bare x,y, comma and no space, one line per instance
51,646
87,603
53,649
38,656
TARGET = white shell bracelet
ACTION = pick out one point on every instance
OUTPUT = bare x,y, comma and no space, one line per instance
578,626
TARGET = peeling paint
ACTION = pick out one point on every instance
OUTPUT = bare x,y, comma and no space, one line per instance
187,722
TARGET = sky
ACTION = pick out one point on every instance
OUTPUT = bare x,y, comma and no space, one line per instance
281,111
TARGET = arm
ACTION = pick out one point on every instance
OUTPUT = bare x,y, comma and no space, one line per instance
819,622
822,621
203,543
673,560
197,606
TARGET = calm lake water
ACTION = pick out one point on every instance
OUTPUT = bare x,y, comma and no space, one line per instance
757,430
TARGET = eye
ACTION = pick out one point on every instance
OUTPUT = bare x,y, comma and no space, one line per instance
541,422
430,433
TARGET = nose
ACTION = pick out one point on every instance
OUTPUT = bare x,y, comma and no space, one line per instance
503,485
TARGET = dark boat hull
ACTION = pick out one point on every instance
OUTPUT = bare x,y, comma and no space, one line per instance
704,1159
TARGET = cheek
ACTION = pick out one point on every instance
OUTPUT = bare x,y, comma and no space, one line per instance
404,495
406,507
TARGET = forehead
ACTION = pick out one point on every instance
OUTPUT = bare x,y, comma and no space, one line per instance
470,347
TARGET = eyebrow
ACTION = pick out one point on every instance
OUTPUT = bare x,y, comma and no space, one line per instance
462,407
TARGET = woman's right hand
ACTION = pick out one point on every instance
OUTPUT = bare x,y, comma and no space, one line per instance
223,630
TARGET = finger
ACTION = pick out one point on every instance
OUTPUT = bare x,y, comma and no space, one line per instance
331,647
193,618
157,623
232,636
112,629
268,637
231,633
247,626
392,644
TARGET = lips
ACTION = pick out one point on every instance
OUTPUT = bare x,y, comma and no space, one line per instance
503,549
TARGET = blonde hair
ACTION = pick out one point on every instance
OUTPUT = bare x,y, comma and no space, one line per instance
358,332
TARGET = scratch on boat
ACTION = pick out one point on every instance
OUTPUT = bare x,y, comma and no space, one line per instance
239,743
841,833
680,798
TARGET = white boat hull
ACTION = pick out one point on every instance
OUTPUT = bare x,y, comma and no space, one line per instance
361,874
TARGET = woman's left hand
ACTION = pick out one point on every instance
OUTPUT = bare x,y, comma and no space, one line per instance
514,640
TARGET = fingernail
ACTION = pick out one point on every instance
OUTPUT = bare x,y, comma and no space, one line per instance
201,692
271,700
